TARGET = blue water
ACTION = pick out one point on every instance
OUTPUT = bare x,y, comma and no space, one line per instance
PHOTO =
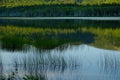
80,62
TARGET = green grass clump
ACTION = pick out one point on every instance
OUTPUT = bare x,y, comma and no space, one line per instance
13,37
106,38
44,38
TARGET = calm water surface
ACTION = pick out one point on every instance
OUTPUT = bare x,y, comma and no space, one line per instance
33,49
81,62
51,18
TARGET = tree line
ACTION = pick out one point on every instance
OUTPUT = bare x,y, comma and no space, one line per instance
61,10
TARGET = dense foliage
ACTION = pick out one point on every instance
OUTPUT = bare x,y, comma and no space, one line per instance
61,10
35,8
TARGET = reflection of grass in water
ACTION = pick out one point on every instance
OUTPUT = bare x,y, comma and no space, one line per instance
48,60
36,67
110,65
1,68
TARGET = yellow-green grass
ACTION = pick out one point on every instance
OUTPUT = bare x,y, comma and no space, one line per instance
104,37
15,3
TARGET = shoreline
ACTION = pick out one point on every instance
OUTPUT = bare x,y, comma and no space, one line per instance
50,18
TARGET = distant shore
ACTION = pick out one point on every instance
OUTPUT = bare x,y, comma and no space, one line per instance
61,11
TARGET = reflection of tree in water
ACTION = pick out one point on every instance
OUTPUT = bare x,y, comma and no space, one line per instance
61,23
39,65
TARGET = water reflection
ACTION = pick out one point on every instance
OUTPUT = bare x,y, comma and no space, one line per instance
1,68
72,63
58,53
110,64
61,23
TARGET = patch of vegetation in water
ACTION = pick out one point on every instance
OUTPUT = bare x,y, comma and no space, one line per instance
14,37
106,38
32,77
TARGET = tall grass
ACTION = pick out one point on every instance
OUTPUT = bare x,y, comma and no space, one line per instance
16,37
47,38
106,38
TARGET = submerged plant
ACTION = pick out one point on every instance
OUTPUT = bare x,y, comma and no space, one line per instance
27,77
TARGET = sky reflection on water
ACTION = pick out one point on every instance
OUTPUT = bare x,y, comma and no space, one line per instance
76,62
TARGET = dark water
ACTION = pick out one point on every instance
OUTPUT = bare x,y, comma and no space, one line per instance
59,50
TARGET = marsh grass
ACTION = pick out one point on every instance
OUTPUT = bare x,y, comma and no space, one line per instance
106,38
34,77
13,37
47,38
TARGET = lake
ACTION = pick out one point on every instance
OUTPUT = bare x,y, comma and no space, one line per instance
59,49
